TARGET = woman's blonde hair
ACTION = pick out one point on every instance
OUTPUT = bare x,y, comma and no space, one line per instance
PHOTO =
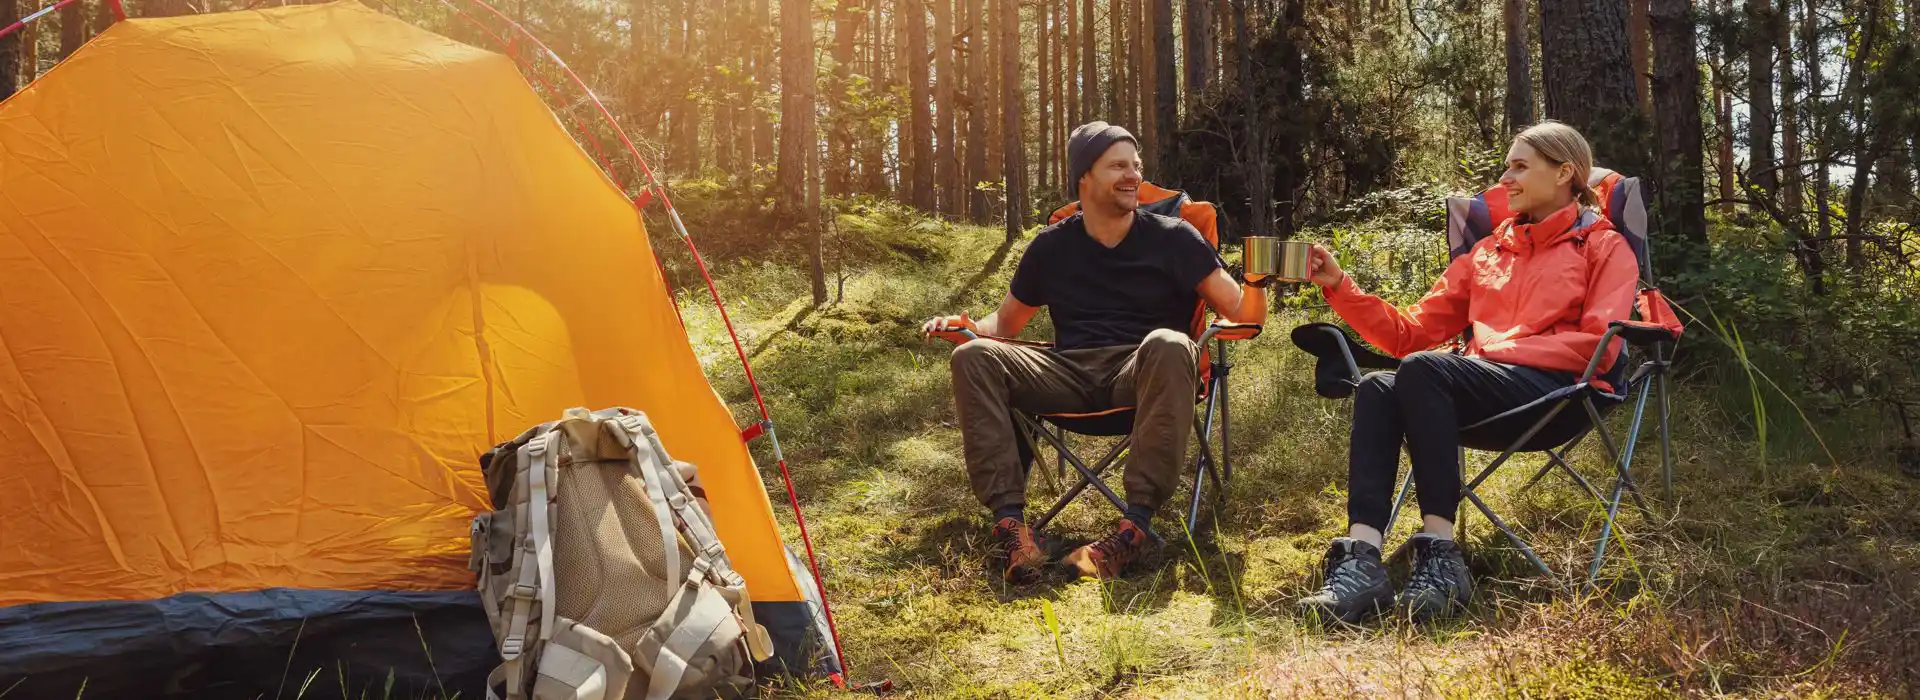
1559,143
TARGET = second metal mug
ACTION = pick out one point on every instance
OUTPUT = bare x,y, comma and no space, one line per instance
1284,260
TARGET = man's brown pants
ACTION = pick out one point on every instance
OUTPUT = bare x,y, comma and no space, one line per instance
992,379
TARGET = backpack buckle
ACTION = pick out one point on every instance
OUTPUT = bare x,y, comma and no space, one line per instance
522,591
511,647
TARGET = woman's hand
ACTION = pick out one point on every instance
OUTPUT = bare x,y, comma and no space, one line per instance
1322,268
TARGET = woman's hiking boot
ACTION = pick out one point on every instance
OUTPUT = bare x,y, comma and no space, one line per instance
1022,548
1354,583
1106,557
1440,584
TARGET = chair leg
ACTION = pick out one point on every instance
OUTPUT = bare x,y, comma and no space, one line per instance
1226,435
1666,443
1517,541
1393,515
1558,460
1508,454
1088,477
1623,483
1061,454
1623,462
1203,463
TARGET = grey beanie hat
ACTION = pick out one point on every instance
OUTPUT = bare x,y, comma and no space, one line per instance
1087,144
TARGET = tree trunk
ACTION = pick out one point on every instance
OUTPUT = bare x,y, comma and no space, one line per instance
684,156
1637,37
976,115
73,28
921,169
1089,72
9,50
1253,143
1760,50
946,165
1794,192
1520,112
797,130
1145,84
1867,135
29,53
990,41
1679,181
1290,164
1043,82
847,17
1812,254
1720,57
1589,83
1012,101
1199,56
763,131
1117,93
1071,48
1166,98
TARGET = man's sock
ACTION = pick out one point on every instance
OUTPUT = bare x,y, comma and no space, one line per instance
1140,515
1017,511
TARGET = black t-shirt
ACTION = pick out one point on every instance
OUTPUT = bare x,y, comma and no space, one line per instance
1102,296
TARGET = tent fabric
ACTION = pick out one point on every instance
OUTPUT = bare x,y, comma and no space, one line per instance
270,283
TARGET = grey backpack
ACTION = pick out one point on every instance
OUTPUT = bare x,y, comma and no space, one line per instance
601,572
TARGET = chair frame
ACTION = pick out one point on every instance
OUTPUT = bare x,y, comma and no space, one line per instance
1654,341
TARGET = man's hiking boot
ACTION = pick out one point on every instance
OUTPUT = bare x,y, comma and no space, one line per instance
1355,583
1105,558
1022,549
1440,585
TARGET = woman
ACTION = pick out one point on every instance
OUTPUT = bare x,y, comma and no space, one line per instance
1537,295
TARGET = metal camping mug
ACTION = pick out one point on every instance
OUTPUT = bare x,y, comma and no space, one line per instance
1286,261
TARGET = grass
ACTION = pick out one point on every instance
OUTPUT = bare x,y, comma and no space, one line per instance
1793,576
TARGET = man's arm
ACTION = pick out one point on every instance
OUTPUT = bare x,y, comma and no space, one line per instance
1005,322
1239,304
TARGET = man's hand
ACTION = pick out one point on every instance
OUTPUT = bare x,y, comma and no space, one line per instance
1322,268
947,324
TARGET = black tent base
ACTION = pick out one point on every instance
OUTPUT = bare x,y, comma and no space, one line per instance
285,643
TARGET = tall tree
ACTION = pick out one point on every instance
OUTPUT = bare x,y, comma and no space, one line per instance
73,28
976,115
1589,82
1868,131
1637,37
684,154
882,70
1140,65
921,169
1117,94
1062,76
1676,97
1166,88
9,50
1253,142
763,130
797,123
1199,56
1790,180
1012,102
1071,48
945,157
30,52
847,18
990,41
1089,78
1519,66
1760,39
1812,262
1720,57
1043,15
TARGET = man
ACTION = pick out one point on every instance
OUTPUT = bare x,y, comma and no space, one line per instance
1122,286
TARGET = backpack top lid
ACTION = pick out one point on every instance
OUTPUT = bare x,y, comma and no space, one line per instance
1622,200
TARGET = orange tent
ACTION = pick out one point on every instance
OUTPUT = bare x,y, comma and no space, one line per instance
270,282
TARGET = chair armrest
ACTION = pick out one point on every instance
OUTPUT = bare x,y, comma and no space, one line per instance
964,336
1643,334
1228,330
1339,358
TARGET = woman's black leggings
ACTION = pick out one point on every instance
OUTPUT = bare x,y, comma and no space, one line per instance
1425,403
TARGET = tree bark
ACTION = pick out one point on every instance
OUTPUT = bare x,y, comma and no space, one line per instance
797,122
921,170
1253,143
1199,56
847,17
1679,180
73,28
1760,38
1868,130
1811,253
1589,82
1012,101
763,131
1089,72
1793,191
684,155
9,50
1520,112
1638,34
1117,94
1145,84
1166,97
946,165
30,52
990,41
1072,77
1720,56
1043,82
976,115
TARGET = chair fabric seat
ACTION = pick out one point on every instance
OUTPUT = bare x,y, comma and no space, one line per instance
1496,434
1100,425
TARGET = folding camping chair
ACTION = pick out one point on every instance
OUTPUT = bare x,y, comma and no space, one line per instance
1554,433
1212,365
